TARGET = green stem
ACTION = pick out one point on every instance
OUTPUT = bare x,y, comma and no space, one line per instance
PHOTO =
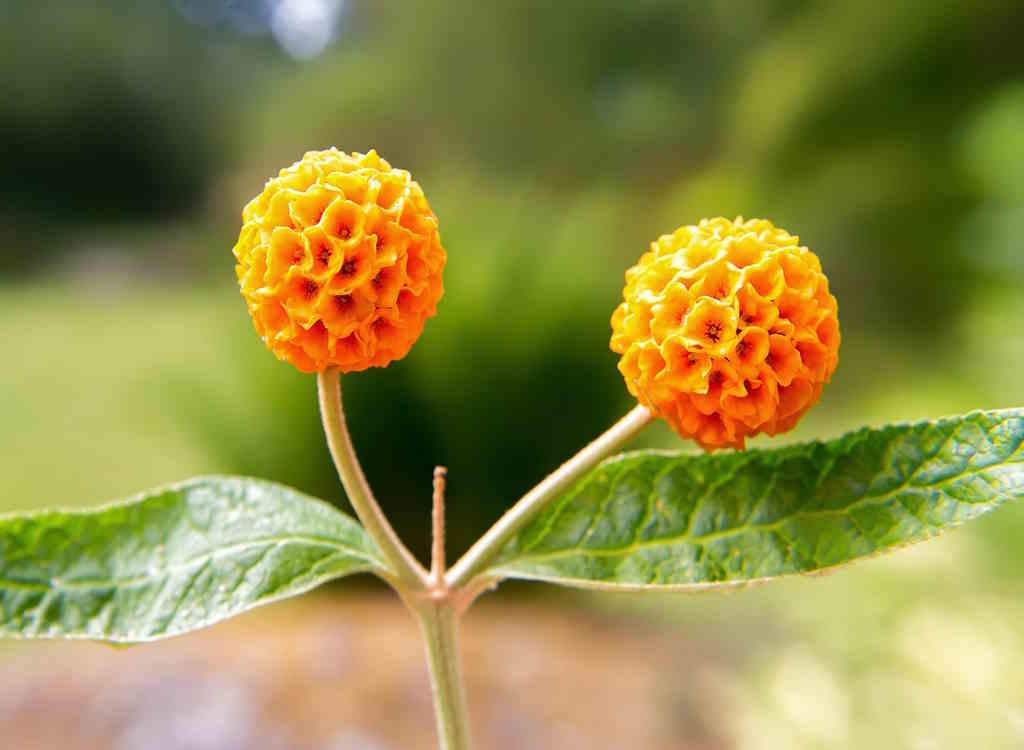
439,625
437,599
534,501
403,564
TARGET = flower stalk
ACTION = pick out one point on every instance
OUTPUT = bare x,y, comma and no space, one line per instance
488,546
403,565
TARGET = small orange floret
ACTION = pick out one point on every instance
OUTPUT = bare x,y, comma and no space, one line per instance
727,330
340,262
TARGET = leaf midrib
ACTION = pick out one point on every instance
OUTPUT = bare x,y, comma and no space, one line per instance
704,539
184,565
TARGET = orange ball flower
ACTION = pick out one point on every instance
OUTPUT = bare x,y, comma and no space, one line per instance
340,262
727,330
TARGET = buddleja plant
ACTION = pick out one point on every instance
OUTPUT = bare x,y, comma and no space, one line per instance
727,329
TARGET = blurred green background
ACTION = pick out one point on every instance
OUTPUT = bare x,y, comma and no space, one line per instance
554,141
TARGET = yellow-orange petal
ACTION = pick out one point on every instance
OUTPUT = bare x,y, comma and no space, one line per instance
306,208
758,406
286,250
766,278
755,310
344,313
719,280
710,431
356,268
637,322
300,296
685,370
619,341
670,309
325,254
795,397
783,359
386,284
723,380
711,325
815,357
392,239
749,350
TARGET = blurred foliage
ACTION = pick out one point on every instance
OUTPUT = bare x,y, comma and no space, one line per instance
99,118
554,140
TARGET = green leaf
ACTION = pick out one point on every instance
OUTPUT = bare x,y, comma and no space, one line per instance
665,520
170,560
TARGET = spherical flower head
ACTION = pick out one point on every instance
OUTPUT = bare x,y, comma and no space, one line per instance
727,329
340,262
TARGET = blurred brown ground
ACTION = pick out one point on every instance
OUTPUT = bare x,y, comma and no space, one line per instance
348,673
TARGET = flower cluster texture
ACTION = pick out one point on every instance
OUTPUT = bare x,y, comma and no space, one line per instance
727,329
340,261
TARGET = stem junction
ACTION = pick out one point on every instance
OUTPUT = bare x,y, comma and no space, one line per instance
438,598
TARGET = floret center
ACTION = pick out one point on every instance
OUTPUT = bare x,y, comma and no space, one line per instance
713,331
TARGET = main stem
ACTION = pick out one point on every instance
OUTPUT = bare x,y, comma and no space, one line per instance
439,625
401,561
